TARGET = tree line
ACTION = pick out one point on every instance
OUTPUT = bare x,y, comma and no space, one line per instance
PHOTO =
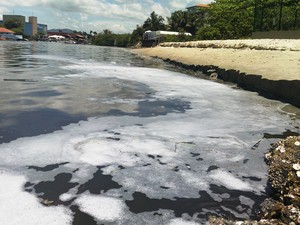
224,19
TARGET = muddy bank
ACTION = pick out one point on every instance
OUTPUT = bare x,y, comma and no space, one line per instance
269,67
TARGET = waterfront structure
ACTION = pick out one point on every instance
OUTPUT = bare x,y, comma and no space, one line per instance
153,38
67,33
30,28
6,34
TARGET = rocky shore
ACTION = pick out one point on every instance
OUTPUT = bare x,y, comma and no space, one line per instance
283,206
270,67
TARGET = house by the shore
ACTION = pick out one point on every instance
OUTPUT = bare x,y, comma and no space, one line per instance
6,34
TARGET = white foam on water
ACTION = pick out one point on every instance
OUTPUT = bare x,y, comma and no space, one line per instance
102,208
51,57
195,180
101,153
20,207
222,125
230,181
66,197
182,222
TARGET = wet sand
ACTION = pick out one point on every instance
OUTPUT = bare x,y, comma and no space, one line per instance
270,66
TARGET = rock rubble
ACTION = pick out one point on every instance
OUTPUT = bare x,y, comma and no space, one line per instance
283,207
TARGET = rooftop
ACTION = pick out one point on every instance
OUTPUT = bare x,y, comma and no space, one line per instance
6,31
203,5
199,5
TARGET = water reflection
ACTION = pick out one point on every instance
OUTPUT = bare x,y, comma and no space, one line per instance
56,98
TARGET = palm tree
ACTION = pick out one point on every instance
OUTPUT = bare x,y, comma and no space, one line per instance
178,20
154,22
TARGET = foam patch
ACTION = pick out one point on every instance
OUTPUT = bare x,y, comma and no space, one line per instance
182,222
230,181
102,208
19,207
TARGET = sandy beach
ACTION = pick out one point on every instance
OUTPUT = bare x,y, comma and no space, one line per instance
272,59
263,65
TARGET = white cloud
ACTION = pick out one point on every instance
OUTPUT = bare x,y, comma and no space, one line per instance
101,25
83,17
160,10
178,4
121,15
3,10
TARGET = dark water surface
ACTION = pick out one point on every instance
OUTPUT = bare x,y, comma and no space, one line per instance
34,86
96,135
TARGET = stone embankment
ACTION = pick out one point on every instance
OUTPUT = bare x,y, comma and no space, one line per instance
270,67
283,207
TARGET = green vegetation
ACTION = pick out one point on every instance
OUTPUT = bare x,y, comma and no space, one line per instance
187,21
15,25
233,19
224,19
276,15
228,19
154,22
108,38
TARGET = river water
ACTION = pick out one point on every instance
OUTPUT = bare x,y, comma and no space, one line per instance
95,135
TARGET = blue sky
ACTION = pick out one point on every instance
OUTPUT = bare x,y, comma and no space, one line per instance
120,16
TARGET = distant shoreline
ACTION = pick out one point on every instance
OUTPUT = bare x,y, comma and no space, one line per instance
270,67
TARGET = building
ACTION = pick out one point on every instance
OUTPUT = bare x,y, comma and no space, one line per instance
198,7
202,9
17,18
33,22
66,33
30,28
33,28
42,28
6,34
153,38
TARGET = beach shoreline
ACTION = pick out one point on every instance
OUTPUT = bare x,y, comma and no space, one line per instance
270,67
